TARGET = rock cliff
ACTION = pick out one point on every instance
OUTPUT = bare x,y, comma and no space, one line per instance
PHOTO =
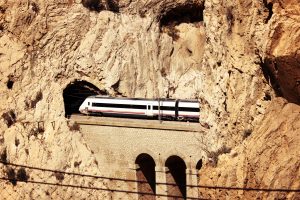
236,57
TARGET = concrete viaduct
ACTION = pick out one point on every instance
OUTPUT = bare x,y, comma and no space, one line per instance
159,160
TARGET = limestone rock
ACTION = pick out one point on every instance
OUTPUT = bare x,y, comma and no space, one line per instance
266,163
235,57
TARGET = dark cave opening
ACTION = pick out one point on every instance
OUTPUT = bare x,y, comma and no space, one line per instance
187,13
176,176
93,5
146,175
75,93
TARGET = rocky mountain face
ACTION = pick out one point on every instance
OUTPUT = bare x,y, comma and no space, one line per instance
235,57
265,165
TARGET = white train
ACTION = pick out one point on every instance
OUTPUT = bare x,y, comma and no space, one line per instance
175,109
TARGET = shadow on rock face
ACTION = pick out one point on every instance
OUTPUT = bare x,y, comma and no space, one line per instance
283,73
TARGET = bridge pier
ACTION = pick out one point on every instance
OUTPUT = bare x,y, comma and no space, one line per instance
161,187
191,182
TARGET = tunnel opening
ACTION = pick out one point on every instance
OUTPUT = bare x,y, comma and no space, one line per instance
145,174
75,93
186,13
176,176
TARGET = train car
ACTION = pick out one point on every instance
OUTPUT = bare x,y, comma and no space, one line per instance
174,109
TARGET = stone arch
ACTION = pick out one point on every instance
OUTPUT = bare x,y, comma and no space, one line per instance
75,93
136,153
145,174
176,176
171,152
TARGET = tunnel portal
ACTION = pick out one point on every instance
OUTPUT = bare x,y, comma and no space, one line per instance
75,93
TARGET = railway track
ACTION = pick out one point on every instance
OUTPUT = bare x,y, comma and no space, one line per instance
136,123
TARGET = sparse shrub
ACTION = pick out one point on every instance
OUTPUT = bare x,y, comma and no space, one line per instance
213,156
32,103
1,139
163,72
22,175
9,118
3,156
59,176
17,142
11,175
35,7
2,9
74,126
235,154
36,131
41,129
10,83
76,164
230,19
247,133
142,13
94,5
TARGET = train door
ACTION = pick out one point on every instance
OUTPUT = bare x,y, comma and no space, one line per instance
149,111
88,105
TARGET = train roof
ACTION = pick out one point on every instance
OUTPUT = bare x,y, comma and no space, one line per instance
143,99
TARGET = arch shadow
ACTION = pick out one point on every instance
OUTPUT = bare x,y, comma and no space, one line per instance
176,176
145,174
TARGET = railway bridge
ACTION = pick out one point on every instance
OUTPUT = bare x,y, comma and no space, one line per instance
162,158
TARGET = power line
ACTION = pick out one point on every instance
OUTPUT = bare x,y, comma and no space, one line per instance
137,181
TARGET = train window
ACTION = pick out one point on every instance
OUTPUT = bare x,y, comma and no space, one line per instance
88,103
111,105
164,108
139,107
186,109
